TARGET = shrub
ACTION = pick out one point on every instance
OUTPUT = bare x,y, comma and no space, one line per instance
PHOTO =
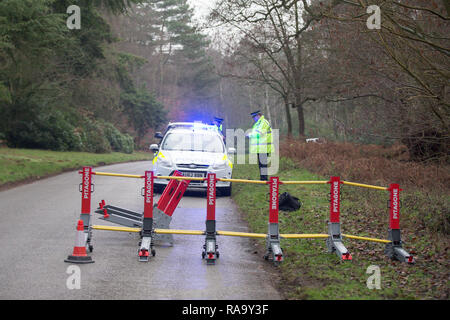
93,137
46,131
119,142
113,136
367,164
127,143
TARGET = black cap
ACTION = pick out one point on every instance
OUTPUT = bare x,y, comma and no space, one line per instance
255,113
218,119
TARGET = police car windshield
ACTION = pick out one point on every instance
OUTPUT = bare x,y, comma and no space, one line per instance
193,141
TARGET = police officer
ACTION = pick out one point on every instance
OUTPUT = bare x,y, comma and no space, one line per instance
261,142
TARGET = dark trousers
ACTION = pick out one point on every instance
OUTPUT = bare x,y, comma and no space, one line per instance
262,163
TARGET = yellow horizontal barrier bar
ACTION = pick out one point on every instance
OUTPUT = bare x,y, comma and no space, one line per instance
364,185
235,234
304,236
186,232
366,238
304,182
121,229
241,234
117,175
159,231
120,175
244,181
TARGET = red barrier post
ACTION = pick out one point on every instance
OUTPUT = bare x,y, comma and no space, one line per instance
273,248
86,183
274,201
211,197
335,199
148,194
210,247
147,223
86,197
334,242
394,250
394,207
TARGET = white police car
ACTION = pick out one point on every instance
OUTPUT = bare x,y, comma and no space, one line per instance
194,149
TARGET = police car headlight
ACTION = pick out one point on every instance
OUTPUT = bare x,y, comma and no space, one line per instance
165,162
220,165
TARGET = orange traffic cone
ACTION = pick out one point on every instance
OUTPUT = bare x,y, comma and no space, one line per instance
79,251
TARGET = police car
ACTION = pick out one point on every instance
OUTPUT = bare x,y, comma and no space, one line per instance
194,149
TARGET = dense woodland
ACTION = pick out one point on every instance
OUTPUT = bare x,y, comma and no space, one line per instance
313,67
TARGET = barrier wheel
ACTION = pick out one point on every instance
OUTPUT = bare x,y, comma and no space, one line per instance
91,248
203,255
153,252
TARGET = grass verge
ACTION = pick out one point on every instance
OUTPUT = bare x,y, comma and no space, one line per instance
23,165
310,272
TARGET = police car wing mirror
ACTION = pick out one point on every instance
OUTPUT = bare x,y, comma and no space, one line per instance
159,135
154,147
232,150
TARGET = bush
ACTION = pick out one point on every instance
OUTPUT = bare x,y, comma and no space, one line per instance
92,137
113,136
128,144
28,124
119,142
46,131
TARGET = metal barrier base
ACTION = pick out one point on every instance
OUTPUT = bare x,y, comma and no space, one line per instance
394,249
162,221
131,219
210,253
123,217
334,242
273,247
146,247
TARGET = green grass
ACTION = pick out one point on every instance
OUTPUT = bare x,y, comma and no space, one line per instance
310,272
23,164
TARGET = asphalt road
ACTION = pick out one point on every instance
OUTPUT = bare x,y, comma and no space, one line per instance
37,232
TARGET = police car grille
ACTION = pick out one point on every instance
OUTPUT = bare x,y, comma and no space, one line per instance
192,166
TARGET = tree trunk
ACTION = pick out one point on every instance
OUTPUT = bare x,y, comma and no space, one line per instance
250,99
447,6
221,99
266,103
298,81
301,120
288,116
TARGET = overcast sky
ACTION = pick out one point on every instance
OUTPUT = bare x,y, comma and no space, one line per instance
201,7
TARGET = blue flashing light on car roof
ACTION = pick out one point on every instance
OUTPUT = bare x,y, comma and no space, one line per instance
199,125
193,126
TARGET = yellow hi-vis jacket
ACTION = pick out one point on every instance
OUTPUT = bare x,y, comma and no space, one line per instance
261,137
